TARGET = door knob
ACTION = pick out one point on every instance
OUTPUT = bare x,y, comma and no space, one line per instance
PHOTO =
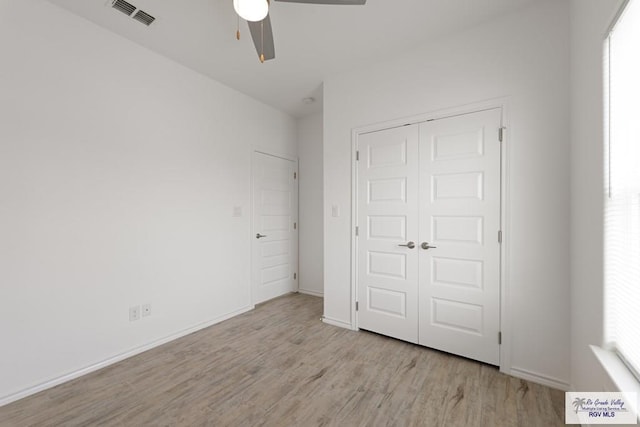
409,245
258,236
425,246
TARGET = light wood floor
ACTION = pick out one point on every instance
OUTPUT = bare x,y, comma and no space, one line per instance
280,366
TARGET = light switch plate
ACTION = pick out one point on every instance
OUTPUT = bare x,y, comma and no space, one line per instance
134,313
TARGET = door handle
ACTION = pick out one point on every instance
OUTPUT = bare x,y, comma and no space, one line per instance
409,245
425,246
258,236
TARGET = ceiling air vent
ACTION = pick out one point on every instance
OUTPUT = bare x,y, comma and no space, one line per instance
132,11
144,17
124,7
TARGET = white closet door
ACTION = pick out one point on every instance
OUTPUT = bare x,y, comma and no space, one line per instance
460,215
387,219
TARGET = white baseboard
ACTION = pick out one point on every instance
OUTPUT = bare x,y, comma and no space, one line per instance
540,379
312,293
4,400
335,322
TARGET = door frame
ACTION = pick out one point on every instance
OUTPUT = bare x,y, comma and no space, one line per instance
503,104
252,225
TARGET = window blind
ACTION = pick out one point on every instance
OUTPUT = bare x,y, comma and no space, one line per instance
622,201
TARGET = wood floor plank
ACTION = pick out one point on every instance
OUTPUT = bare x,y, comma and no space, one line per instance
278,365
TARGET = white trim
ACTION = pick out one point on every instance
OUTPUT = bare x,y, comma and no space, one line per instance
506,319
117,358
618,373
503,104
296,229
338,323
275,154
310,292
443,113
354,223
539,378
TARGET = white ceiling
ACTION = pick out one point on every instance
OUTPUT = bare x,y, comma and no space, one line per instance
311,41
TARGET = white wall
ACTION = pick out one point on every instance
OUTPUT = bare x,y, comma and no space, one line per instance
310,212
590,20
119,171
523,56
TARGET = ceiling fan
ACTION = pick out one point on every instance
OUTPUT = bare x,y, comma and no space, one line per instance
256,13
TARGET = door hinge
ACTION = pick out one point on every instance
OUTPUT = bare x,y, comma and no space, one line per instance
295,276
357,230
295,175
357,306
499,338
499,236
357,155
295,225
501,133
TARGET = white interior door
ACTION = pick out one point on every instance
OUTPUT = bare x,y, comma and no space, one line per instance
460,216
275,241
387,220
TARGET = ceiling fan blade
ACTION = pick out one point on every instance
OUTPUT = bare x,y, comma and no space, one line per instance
262,36
337,2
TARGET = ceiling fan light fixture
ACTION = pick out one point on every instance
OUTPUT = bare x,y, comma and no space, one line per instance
251,10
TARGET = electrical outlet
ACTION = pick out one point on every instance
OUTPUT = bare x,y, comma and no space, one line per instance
134,313
146,310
